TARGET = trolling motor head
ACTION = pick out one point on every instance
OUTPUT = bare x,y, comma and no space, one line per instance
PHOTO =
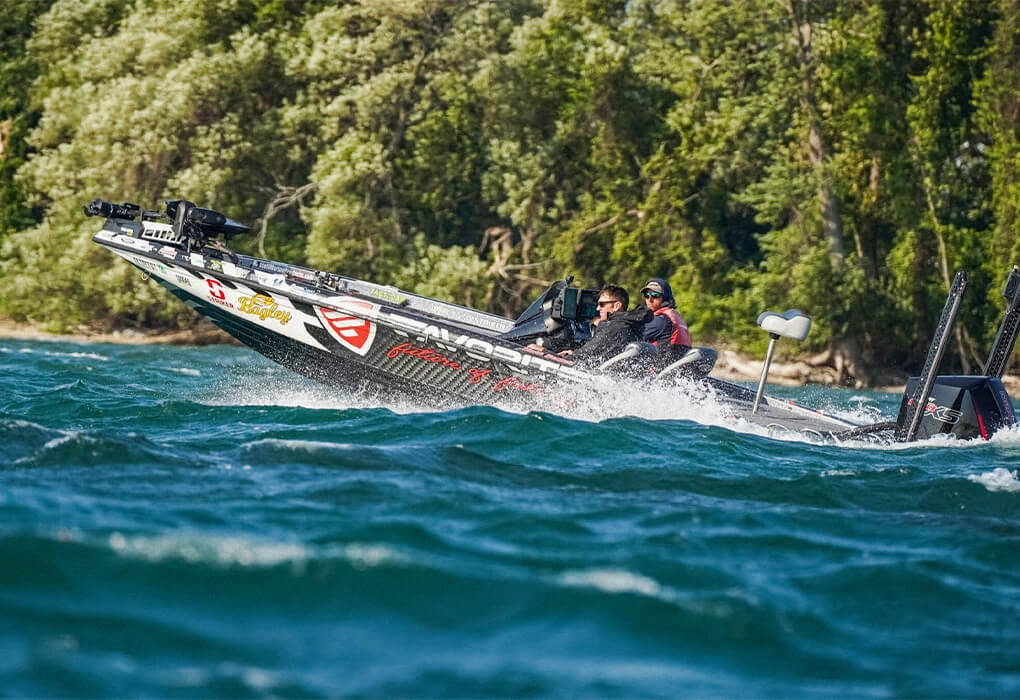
199,225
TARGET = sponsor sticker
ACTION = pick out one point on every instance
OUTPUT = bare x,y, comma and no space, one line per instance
216,293
265,307
942,413
349,326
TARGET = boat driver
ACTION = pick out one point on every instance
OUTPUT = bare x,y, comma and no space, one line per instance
615,327
667,330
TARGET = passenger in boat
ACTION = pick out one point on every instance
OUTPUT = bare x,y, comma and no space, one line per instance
667,330
615,327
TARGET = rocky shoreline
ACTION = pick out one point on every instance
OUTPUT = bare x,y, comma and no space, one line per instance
730,365
203,333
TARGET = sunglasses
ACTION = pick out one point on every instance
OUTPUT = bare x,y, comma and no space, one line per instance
602,303
653,295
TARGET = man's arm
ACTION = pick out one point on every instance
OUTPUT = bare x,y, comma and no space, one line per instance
656,328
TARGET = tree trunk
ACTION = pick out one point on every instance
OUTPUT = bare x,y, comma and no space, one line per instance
832,223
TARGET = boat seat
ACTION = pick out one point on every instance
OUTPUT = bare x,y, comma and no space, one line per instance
789,324
696,362
637,357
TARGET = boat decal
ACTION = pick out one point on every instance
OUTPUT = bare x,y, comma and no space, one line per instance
478,349
424,354
516,383
264,307
216,293
388,295
349,325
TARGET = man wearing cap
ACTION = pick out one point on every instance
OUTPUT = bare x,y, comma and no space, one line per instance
667,330
616,327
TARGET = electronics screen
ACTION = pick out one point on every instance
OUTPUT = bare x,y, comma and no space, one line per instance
570,302
587,305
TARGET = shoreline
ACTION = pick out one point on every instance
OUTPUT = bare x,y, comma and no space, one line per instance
730,365
204,333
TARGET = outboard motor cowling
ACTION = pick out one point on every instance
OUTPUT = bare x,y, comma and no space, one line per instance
963,406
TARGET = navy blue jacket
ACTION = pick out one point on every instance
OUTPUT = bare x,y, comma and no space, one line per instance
612,336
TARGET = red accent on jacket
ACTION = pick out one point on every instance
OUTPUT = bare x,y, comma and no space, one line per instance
680,336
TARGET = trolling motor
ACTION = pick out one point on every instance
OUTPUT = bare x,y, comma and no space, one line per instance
193,226
963,406
200,225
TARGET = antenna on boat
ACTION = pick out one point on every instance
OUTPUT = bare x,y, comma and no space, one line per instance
789,324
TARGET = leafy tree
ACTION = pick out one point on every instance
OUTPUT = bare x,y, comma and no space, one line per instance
17,71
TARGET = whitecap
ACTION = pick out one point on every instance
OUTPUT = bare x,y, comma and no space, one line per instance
78,355
222,551
53,443
612,581
310,446
999,479
366,556
185,370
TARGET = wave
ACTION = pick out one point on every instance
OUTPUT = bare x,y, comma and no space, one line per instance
999,479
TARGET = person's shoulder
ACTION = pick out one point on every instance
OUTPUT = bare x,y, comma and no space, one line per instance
641,314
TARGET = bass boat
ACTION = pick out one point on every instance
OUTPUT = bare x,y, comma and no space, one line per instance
350,333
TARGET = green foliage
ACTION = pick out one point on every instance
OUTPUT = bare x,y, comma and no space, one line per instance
839,156
18,68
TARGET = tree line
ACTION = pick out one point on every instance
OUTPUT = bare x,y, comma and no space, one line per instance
843,157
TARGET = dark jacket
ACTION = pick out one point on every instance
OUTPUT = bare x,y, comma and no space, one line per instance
660,329
612,336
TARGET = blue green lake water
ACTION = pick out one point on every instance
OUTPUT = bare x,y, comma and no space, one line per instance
196,522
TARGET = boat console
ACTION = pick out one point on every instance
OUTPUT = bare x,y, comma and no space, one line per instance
560,317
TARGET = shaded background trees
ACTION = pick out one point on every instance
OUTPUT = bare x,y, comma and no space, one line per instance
843,157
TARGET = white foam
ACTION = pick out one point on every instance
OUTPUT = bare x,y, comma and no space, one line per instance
50,353
1007,436
224,551
186,371
199,548
51,444
367,556
612,581
311,446
77,355
999,479
680,400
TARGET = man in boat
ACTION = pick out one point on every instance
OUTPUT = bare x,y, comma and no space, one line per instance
667,330
615,327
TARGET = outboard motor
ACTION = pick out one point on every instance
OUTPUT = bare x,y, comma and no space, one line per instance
965,407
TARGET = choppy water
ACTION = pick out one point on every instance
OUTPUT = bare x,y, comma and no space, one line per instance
197,522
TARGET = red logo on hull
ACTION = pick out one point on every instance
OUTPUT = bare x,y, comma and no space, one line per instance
354,332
